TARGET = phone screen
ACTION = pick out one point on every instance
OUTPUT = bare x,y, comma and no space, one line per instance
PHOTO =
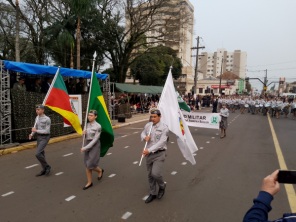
287,176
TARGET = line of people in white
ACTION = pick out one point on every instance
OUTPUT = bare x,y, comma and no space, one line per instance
275,106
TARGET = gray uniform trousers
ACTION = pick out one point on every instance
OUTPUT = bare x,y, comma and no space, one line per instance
42,141
155,164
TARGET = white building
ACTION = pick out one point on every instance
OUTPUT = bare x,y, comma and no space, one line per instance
221,61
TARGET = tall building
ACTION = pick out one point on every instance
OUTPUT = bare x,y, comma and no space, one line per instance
221,61
173,27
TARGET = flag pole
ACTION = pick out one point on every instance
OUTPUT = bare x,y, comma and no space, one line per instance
86,114
146,144
46,96
51,85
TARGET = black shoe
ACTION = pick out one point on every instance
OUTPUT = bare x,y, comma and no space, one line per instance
86,187
161,192
47,170
99,178
150,198
41,173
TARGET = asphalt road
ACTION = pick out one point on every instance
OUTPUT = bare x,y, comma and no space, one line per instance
220,187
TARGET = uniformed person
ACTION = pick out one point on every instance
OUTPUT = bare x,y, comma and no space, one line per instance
42,129
92,148
155,154
224,113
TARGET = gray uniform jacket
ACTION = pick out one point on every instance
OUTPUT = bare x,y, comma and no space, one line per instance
158,137
224,112
42,124
93,132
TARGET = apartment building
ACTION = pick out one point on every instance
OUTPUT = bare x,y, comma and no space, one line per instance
221,61
173,27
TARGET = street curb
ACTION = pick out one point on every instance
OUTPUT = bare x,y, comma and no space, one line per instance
31,145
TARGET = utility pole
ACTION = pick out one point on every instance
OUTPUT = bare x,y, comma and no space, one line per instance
220,90
196,63
265,82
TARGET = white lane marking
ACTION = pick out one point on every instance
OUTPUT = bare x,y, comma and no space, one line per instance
135,132
208,142
124,136
7,194
144,198
112,175
70,198
213,137
59,173
126,147
68,154
201,147
184,163
109,154
126,215
28,167
174,172
172,142
135,162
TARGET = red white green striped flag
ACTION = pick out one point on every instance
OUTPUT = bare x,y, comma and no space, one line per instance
57,99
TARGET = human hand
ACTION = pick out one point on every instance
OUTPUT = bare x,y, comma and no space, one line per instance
84,132
81,150
270,183
30,136
34,129
145,152
147,138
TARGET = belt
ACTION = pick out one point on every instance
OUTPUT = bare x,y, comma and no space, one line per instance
158,151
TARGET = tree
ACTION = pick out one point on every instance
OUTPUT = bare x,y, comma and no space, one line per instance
80,8
152,67
124,42
35,15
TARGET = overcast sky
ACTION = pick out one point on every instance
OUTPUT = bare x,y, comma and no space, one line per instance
265,29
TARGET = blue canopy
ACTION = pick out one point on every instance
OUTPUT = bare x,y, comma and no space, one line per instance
48,70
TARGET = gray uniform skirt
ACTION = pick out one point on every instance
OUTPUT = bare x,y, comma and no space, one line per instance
223,123
92,155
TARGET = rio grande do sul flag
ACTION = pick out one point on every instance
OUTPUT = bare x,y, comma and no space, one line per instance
174,119
97,102
58,100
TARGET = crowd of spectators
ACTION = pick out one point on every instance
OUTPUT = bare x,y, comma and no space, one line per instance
198,101
41,85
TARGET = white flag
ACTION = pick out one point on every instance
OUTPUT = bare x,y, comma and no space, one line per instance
173,118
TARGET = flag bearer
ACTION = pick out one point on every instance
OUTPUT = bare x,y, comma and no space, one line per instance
155,153
42,129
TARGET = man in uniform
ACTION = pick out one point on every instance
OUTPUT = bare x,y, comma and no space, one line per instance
42,129
155,153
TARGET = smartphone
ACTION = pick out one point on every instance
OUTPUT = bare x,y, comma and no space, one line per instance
287,176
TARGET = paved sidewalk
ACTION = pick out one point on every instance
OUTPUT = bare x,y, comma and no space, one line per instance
136,118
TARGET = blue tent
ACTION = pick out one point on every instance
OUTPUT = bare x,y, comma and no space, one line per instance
37,69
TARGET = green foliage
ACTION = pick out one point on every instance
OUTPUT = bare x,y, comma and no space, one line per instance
152,67
111,73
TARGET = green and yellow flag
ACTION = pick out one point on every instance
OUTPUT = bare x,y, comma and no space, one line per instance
97,102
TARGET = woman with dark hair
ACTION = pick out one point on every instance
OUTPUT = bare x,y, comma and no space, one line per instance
92,148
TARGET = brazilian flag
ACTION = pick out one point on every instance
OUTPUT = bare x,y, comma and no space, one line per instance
97,102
